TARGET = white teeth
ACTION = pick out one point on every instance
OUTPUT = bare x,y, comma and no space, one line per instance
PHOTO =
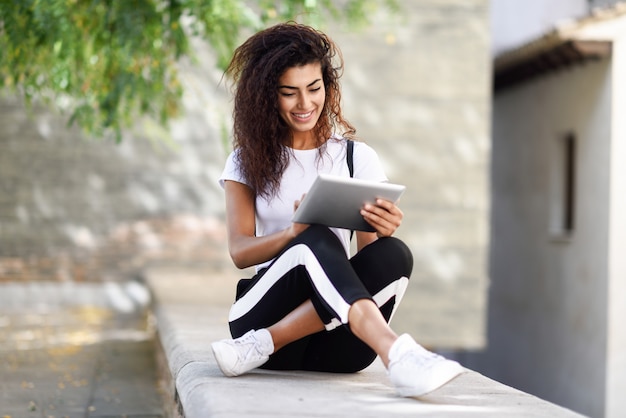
303,115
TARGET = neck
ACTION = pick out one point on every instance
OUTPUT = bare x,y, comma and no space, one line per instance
303,141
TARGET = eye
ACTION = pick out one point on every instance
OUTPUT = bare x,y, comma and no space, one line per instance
315,89
286,94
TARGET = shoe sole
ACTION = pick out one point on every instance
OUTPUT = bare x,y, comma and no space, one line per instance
451,370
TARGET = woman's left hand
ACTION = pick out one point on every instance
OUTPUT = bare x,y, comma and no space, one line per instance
384,216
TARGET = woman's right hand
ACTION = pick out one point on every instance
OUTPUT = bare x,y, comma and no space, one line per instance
296,228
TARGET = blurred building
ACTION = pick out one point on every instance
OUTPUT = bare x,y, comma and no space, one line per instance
558,222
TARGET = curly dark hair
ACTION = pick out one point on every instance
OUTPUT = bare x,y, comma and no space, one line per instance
259,133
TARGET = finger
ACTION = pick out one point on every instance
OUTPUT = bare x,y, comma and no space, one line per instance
391,217
391,213
384,203
296,203
385,225
389,206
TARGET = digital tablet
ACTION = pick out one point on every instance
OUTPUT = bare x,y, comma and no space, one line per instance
337,201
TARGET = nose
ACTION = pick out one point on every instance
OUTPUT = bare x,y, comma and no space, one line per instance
304,101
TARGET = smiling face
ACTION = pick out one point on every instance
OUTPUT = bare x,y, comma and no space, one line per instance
301,97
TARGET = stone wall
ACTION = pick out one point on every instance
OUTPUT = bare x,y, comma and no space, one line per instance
418,90
71,206
416,86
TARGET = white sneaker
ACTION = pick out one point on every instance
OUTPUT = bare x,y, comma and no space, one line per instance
243,354
415,371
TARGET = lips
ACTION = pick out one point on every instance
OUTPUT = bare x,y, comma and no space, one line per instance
302,116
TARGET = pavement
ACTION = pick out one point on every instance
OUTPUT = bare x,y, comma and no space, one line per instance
78,350
108,379
191,308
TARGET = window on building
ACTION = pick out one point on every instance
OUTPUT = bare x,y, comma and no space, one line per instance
563,185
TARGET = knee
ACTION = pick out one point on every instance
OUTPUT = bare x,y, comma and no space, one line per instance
396,252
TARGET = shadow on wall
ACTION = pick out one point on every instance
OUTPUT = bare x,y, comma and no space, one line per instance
72,207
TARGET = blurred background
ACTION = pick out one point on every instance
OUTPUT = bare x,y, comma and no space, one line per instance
501,117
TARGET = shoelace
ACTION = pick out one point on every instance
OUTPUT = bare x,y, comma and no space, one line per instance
255,347
419,356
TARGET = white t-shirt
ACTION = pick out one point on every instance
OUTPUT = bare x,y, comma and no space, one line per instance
304,165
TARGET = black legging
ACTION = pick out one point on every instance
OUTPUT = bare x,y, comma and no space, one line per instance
315,266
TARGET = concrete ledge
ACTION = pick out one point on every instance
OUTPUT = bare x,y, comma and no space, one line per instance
191,311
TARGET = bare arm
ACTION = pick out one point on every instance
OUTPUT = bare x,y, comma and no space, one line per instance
244,247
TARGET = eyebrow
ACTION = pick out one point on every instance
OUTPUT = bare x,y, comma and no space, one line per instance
296,88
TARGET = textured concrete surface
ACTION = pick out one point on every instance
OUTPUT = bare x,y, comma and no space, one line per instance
191,310
108,379
77,350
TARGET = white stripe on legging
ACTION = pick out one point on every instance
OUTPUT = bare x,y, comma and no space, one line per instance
297,255
397,289
302,255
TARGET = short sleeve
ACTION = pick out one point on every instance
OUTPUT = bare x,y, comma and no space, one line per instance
231,170
367,164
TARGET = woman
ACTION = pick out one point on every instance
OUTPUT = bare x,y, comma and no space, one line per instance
309,306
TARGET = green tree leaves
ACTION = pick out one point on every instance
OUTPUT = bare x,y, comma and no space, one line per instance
105,62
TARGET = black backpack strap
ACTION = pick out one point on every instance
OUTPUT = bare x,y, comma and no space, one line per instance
350,161
350,158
